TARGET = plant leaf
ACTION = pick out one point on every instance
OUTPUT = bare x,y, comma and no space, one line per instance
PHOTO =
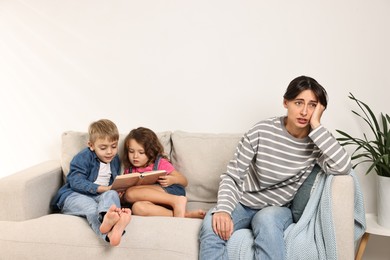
376,152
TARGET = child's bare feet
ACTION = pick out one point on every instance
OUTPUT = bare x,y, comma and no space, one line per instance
110,219
179,206
116,232
195,214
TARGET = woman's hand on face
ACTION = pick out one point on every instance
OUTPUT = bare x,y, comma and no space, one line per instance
315,119
222,225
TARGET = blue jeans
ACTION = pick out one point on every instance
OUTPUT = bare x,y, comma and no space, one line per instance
90,207
268,226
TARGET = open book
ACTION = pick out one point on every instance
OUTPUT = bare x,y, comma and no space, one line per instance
122,182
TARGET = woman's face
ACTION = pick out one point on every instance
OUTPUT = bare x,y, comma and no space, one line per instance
299,112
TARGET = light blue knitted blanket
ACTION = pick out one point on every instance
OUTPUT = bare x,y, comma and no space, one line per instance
313,237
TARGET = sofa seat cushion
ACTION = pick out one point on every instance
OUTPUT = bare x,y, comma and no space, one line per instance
145,238
202,158
194,205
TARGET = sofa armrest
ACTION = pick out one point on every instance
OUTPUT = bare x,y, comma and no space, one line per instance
343,215
27,194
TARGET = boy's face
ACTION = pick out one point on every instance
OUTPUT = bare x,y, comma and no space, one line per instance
136,154
104,149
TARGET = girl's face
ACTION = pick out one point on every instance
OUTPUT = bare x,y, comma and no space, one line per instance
136,154
299,112
104,149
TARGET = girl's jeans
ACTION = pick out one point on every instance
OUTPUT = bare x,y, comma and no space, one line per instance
268,226
90,207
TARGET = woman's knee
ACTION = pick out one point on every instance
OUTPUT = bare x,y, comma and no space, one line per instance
207,224
273,217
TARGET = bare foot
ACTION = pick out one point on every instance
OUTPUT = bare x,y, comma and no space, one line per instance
179,206
195,214
110,219
116,233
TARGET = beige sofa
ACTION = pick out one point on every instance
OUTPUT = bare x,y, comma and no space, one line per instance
28,230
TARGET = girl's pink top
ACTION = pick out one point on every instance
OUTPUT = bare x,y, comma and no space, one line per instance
163,165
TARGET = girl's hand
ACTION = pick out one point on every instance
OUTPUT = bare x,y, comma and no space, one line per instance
167,180
315,119
120,193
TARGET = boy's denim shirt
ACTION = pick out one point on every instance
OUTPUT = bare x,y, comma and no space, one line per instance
84,170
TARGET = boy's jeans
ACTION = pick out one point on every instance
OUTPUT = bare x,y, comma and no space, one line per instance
90,207
268,226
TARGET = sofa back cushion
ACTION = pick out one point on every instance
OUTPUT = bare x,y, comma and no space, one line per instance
73,142
202,158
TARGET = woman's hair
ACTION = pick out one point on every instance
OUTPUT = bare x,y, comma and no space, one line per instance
102,129
150,142
302,83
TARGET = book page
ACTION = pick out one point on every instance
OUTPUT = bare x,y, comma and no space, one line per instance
123,182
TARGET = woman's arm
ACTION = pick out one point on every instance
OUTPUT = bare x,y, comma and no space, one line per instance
333,159
230,186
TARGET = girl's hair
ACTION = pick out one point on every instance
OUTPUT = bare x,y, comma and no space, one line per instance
302,83
150,142
102,129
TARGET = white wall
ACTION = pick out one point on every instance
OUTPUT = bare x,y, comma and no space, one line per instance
200,66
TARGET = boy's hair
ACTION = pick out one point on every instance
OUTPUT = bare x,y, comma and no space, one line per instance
150,142
102,129
302,83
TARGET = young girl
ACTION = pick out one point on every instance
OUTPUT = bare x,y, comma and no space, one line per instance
143,152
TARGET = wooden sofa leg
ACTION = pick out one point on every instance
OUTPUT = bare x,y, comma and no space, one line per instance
362,246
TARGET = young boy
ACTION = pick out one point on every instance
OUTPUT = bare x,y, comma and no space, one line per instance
87,192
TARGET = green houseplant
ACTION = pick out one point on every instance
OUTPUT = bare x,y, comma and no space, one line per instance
376,150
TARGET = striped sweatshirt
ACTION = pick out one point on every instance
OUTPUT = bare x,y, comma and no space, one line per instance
269,165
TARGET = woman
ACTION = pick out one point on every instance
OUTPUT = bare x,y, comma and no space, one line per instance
271,162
